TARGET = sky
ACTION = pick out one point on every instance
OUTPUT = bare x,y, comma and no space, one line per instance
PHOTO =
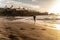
40,4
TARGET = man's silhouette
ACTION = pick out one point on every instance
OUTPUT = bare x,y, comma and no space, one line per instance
34,17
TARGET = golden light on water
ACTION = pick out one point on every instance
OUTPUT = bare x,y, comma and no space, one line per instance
55,8
57,26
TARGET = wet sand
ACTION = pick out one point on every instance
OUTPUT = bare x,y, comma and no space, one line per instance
18,30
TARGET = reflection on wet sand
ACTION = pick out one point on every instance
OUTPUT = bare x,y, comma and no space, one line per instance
23,29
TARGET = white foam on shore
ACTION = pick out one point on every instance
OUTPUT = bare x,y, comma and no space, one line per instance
39,23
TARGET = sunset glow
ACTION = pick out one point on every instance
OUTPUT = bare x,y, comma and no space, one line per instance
55,8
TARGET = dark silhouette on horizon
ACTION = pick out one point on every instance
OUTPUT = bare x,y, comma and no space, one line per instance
12,12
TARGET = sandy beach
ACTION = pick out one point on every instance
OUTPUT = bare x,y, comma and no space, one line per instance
18,30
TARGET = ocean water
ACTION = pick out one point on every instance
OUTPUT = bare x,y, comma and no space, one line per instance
44,18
